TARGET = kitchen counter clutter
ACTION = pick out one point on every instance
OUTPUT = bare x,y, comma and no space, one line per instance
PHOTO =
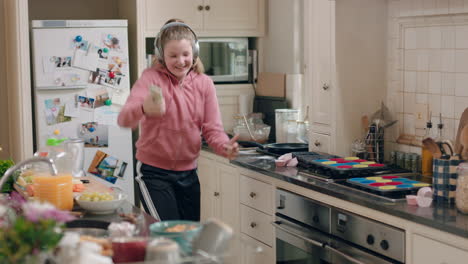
443,217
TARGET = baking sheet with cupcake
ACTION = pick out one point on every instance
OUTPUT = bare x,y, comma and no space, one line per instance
348,163
385,184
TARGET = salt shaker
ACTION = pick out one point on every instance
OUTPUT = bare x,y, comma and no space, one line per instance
461,194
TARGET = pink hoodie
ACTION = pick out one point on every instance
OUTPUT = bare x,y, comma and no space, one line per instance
173,141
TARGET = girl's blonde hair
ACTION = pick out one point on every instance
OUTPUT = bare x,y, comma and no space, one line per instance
179,32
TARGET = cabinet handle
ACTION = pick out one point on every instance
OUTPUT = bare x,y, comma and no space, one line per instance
325,87
317,143
252,194
253,225
216,194
207,8
200,8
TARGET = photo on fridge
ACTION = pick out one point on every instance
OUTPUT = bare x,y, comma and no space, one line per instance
107,167
94,135
55,111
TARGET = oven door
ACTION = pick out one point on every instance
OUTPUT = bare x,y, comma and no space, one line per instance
296,244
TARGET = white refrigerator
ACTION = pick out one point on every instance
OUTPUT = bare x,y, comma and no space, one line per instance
80,82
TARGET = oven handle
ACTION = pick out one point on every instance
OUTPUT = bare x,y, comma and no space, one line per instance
277,224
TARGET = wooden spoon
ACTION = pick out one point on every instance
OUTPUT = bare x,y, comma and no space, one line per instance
432,146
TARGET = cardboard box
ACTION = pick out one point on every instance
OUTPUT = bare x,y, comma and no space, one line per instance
271,84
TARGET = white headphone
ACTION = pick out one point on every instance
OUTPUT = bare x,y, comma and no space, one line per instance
158,49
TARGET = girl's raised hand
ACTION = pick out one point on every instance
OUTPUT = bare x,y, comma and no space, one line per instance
152,108
231,149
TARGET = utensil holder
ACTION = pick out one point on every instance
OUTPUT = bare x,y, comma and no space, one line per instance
375,144
444,180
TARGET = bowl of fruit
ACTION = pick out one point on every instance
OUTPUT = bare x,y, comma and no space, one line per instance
100,202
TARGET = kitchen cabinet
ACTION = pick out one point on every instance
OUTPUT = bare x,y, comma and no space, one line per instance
219,183
208,17
430,251
345,69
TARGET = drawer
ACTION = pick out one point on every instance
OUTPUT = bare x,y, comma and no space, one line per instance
319,142
250,255
257,194
257,225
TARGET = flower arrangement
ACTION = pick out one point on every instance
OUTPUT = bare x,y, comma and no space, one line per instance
28,228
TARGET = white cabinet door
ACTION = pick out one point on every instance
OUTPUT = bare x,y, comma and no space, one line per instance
230,15
208,187
319,142
428,251
322,88
157,12
229,195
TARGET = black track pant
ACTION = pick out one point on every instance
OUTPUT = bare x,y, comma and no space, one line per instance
169,195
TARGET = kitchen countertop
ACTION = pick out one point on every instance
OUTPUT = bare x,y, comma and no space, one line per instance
439,216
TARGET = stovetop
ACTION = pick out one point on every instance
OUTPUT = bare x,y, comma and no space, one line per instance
311,170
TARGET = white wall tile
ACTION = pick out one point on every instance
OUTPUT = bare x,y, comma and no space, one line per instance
393,9
421,98
404,8
422,38
447,106
434,103
409,101
408,124
461,103
442,7
461,37
423,60
418,7
461,60
448,83
435,37
410,38
435,82
461,84
455,6
422,82
448,60
411,60
448,131
410,81
448,37
429,7
465,6
435,60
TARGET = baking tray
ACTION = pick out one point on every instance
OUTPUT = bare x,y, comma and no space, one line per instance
387,185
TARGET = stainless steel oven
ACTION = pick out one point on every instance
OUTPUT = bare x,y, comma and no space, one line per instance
309,232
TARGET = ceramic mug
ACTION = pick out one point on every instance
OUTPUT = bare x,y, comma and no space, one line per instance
214,238
163,251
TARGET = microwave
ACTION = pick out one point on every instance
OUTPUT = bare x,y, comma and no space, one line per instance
226,60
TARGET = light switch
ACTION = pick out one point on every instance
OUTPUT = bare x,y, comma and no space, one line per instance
420,116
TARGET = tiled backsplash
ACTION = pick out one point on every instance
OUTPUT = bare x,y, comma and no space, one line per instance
427,66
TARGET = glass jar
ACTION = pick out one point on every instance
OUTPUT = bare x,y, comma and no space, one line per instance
282,116
461,193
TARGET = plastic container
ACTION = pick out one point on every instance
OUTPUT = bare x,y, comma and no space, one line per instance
57,190
461,193
56,150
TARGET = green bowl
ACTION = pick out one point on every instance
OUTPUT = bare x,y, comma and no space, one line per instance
183,238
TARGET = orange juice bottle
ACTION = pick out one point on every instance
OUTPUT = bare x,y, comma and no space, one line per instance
57,190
